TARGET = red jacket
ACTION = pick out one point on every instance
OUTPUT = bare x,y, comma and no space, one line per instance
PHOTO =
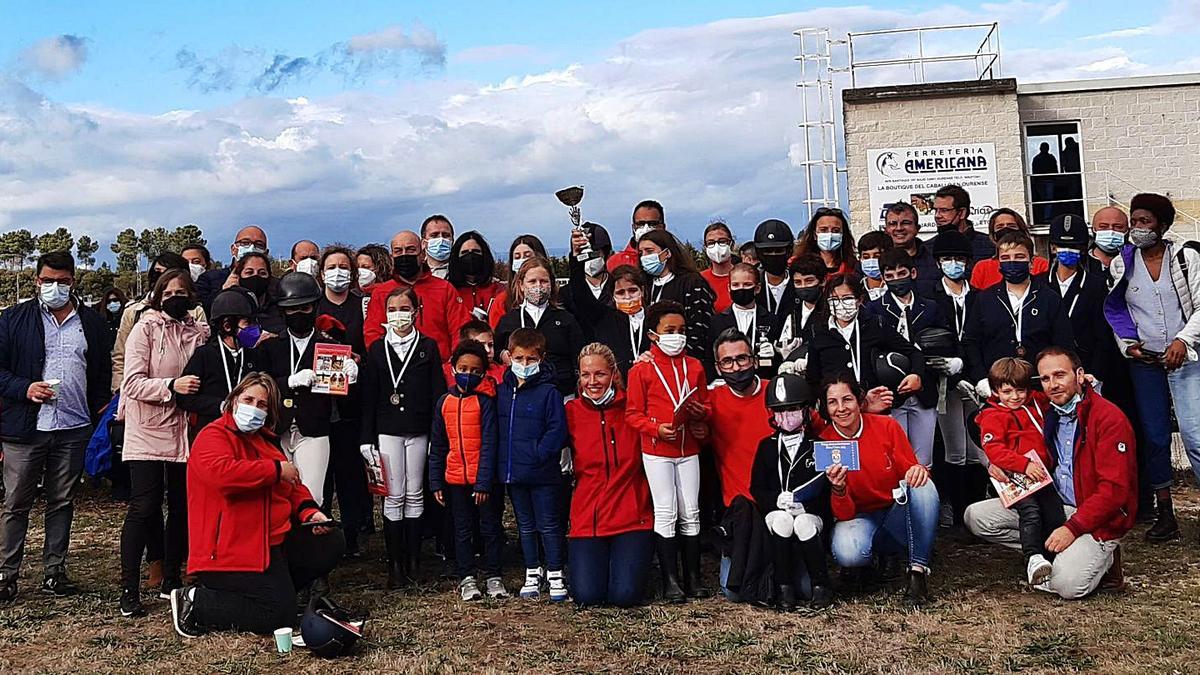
629,256
884,456
650,405
1104,469
720,286
986,273
442,314
611,494
483,297
1008,434
237,506
498,311
738,423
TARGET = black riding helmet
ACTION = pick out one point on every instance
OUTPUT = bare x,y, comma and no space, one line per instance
789,390
233,302
297,289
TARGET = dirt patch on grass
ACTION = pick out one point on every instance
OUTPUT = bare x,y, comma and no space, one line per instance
983,621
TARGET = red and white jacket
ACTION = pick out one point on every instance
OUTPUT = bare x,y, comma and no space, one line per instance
1009,433
650,404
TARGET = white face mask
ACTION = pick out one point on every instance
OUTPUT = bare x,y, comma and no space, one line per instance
400,320
593,266
516,265
243,251
337,279
438,248
717,253
55,295
845,309
608,395
308,266
195,270
637,234
366,277
248,418
672,344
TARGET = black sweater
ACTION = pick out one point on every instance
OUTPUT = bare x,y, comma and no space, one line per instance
212,368
422,385
311,412
697,298
771,459
564,341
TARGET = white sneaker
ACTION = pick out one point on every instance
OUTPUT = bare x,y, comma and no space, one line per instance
496,589
558,586
468,590
532,589
1038,570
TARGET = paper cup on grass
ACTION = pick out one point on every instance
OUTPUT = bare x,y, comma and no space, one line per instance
283,640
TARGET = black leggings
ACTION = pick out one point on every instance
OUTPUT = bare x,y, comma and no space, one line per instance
149,481
1039,514
260,602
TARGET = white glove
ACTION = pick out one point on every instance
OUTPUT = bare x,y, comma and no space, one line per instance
479,313
566,462
784,501
795,509
786,348
303,378
955,365
983,389
766,350
367,450
350,368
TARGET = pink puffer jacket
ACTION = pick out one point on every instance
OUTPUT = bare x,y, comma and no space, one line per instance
156,352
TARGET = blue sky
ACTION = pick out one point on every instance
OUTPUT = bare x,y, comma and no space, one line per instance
377,113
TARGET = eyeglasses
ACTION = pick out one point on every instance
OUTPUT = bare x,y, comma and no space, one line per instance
647,223
718,242
945,209
739,361
251,242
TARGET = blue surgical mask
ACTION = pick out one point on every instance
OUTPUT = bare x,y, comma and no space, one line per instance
243,251
467,381
55,295
829,241
1069,408
438,249
248,336
653,264
1068,257
870,267
1110,241
524,371
249,418
954,269
113,306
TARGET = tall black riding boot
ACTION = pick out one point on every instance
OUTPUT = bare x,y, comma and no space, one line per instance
691,568
393,537
813,553
668,564
1165,527
412,547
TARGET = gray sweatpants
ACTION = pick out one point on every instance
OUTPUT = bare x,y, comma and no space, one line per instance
59,454
1077,570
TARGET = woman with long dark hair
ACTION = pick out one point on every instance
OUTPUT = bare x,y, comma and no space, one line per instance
472,273
673,276
524,248
828,235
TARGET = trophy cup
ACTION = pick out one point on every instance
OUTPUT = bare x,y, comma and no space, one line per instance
570,197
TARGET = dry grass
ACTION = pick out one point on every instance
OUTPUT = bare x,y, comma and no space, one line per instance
983,621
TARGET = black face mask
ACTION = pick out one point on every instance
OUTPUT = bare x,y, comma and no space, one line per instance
743,297
900,287
177,307
809,294
773,263
472,263
255,284
407,266
300,323
739,380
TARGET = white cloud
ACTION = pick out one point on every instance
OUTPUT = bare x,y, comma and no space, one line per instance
702,118
1053,11
55,58
493,53
1178,16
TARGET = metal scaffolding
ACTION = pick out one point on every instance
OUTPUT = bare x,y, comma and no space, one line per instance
823,177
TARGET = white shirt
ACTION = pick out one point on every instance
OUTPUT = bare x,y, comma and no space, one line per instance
664,279
534,312
596,289
635,320
1016,302
301,344
791,443
1064,284
745,319
776,292
401,343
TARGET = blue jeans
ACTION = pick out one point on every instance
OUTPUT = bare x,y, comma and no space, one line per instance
910,527
610,570
1152,394
536,508
1185,391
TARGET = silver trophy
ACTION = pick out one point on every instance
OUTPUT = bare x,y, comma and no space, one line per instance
570,197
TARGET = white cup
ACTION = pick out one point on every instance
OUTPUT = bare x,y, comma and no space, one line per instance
283,640
55,385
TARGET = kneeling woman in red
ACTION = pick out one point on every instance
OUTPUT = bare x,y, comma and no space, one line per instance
611,537
254,532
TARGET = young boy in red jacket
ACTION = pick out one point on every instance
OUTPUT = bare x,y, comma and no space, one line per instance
668,398
462,467
1010,426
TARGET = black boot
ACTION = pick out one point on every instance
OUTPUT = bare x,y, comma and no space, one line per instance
785,598
692,585
393,538
668,564
1165,527
412,548
813,553
916,593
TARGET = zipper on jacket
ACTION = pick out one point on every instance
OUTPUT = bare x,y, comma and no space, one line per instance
217,538
512,411
607,474
462,453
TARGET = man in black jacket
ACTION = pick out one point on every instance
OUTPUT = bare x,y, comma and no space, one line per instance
249,239
54,372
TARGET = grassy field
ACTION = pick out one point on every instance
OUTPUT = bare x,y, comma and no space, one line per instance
983,620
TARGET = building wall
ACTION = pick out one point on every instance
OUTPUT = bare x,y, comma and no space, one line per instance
933,120
1133,140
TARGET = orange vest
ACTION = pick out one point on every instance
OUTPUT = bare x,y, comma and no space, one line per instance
464,431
